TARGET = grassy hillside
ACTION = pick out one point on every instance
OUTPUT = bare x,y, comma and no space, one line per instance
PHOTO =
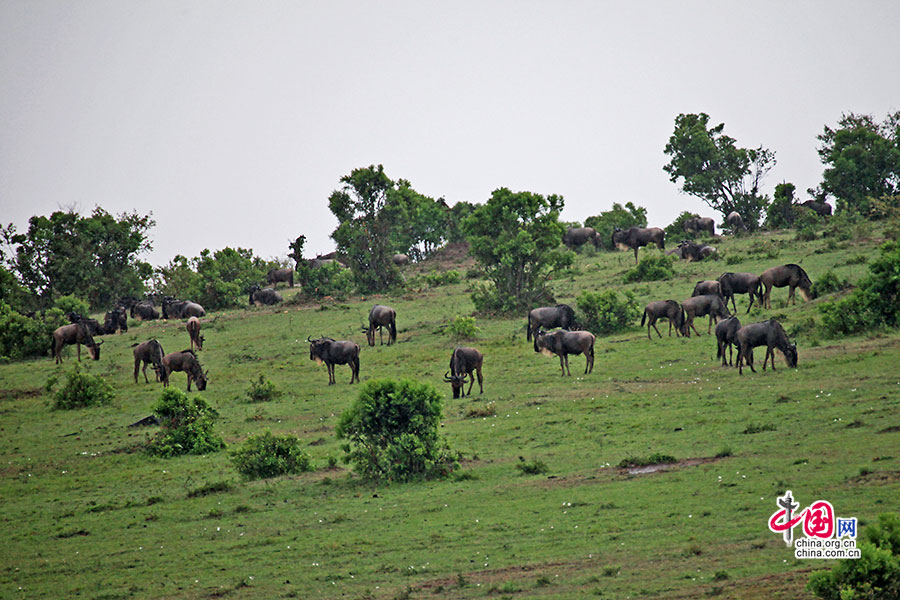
88,514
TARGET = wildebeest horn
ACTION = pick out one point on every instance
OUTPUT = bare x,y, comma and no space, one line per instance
447,376
98,343
308,339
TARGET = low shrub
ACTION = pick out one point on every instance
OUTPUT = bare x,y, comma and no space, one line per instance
438,278
828,283
607,312
651,268
806,224
186,426
534,467
262,390
81,389
332,280
656,458
268,455
26,337
463,328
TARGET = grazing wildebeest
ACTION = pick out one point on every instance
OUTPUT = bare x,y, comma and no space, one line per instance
382,316
145,311
578,236
149,353
561,316
786,275
740,283
286,275
735,222
185,361
707,287
462,362
726,337
332,353
663,309
115,320
635,237
76,333
697,224
692,251
193,329
769,334
563,343
265,296
699,306
400,259
823,209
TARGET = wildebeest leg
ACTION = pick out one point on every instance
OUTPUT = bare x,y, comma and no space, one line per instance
380,335
189,380
480,381
635,255
711,317
354,368
691,323
330,368
589,357
471,376
791,298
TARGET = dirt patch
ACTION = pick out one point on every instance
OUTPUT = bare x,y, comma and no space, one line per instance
648,469
891,429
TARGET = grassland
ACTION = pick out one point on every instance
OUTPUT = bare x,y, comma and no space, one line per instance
86,513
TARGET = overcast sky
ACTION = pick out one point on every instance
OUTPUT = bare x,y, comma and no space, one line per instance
232,121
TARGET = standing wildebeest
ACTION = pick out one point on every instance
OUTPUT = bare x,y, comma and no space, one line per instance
145,311
185,361
561,316
823,209
740,283
635,237
335,353
735,222
697,224
575,237
699,306
726,337
150,353
400,259
266,296
193,329
563,343
115,320
786,275
462,363
707,287
76,333
286,275
382,316
663,309
769,334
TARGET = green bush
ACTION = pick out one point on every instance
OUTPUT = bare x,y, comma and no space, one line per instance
463,328
262,390
81,389
392,432
186,426
840,226
72,303
267,455
331,279
534,467
675,229
437,278
806,224
828,283
25,337
651,268
606,312
875,575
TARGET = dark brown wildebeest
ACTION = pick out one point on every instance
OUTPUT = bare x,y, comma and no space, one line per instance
265,296
635,237
735,222
575,237
93,326
726,337
276,276
462,362
700,306
707,287
400,259
331,352
172,308
692,251
663,309
76,333
145,311
193,329
548,317
769,334
823,209
185,361
695,225
382,316
786,275
563,343
149,353
115,320
740,283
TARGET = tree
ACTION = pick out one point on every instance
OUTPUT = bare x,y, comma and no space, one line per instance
782,212
455,217
421,222
516,238
619,216
862,160
714,169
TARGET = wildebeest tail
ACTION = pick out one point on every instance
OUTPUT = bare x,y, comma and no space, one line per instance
394,328
528,328
644,317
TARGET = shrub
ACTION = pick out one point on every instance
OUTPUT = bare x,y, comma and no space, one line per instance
262,390
651,268
328,280
24,337
186,426
72,303
267,455
534,467
828,283
392,432
806,223
656,458
437,278
81,389
840,226
607,312
463,328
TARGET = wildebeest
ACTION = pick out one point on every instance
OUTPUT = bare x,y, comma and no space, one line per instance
93,326
115,320
320,261
400,259
382,316
697,224
735,222
769,334
563,343
193,329
462,362
786,275
548,317
185,361
635,237
726,337
76,333
699,306
823,209
180,309
692,251
332,353
265,296
740,283
145,311
663,309
707,287
149,353
578,236
275,276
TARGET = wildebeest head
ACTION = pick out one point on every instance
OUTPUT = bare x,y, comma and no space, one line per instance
790,355
95,350
455,381
201,378
318,349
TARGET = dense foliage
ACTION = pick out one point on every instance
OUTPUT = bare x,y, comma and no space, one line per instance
607,312
782,212
262,390
23,336
675,229
186,426
80,389
331,279
267,455
619,216
392,432
652,267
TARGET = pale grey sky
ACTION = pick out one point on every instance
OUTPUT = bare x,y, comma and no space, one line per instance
232,121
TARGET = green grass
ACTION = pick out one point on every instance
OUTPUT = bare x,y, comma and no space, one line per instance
88,514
